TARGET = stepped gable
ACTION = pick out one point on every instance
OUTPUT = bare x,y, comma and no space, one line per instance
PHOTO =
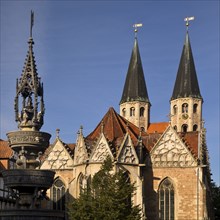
114,127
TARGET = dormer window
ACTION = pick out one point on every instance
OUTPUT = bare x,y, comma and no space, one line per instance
132,111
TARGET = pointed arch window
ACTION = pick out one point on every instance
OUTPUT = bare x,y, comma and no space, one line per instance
184,128
123,112
142,112
83,182
132,111
195,127
58,194
175,128
166,200
184,108
195,106
175,109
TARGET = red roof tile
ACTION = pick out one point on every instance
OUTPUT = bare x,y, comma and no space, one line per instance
159,127
114,129
5,150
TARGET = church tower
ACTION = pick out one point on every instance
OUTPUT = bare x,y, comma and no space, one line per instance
135,104
186,101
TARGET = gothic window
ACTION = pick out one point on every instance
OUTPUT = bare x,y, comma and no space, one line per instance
123,112
184,108
175,109
166,200
195,127
175,127
58,195
195,108
132,111
83,182
142,111
184,128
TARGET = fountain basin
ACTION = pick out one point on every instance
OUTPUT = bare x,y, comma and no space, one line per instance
20,179
33,141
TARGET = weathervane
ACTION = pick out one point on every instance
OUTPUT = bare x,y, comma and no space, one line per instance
136,26
187,19
32,23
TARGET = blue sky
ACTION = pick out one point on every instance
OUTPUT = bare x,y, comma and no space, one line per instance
82,51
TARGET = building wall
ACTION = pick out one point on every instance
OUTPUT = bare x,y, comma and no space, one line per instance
188,192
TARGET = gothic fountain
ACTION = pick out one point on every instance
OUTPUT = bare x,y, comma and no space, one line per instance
27,183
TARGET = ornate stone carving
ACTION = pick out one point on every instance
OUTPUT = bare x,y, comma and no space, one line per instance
101,151
80,154
127,152
170,151
58,158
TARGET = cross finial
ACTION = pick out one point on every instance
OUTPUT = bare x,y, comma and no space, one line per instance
136,26
187,19
32,23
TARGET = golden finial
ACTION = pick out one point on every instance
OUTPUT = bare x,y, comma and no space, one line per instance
136,26
187,19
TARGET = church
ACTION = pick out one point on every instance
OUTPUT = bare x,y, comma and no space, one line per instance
167,161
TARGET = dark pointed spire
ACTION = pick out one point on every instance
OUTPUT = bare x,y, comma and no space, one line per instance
30,88
186,84
135,87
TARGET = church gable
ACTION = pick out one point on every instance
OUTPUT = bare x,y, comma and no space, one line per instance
101,150
170,151
80,154
58,157
127,153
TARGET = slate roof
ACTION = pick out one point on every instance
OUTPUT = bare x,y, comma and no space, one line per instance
186,84
135,87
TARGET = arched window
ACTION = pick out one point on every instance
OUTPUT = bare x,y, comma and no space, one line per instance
175,127
123,112
132,111
195,108
166,200
58,195
184,108
142,111
175,109
184,128
82,183
195,127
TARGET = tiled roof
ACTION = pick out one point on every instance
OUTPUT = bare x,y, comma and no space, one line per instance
159,127
114,128
5,150
191,141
